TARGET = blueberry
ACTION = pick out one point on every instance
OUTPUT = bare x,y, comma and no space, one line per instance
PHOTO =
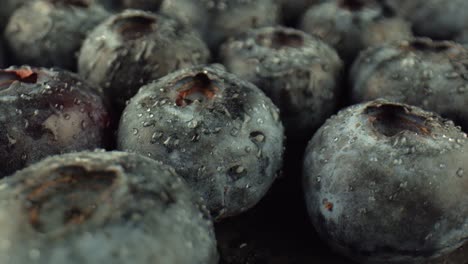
45,112
7,8
102,208
429,74
134,47
222,134
49,33
386,183
436,19
299,72
219,19
149,5
353,25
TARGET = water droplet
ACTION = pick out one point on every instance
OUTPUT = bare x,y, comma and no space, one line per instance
462,89
193,124
166,142
257,136
451,75
460,172
135,131
234,131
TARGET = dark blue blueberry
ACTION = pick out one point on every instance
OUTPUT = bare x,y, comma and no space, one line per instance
220,133
299,72
386,183
49,33
134,47
437,19
217,20
429,74
45,112
99,208
353,25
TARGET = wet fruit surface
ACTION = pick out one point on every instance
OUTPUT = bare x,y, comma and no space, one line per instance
376,178
135,47
384,182
351,26
45,112
93,207
222,134
421,72
299,72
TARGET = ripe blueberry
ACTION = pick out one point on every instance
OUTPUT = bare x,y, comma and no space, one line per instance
222,134
437,19
134,47
386,183
45,112
49,33
353,25
217,20
429,74
299,72
99,208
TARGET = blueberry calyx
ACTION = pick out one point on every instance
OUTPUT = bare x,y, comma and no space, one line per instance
392,119
7,77
70,197
198,88
131,28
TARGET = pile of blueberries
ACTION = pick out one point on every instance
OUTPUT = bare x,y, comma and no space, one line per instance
233,131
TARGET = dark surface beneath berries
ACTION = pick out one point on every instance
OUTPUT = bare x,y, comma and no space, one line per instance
278,229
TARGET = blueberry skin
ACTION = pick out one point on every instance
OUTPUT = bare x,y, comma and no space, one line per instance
222,134
134,47
437,19
217,20
49,33
101,207
429,74
386,183
299,72
45,112
351,25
